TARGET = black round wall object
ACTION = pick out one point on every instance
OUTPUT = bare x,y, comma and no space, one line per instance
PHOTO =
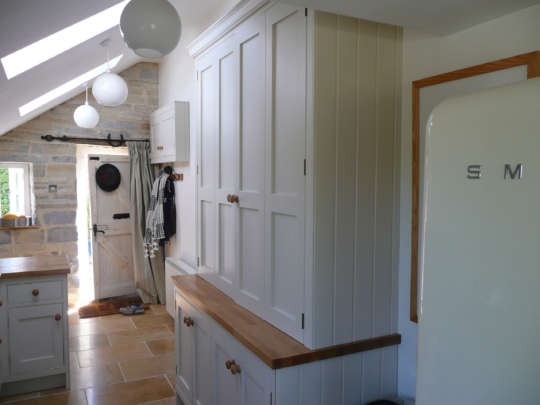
108,177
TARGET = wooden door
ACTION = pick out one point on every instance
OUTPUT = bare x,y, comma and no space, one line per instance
257,381
226,164
112,254
206,169
184,351
285,179
36,338
250,44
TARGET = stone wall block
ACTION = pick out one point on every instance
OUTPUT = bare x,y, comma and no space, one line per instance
26,236
59,217
21,147
5,237
65,234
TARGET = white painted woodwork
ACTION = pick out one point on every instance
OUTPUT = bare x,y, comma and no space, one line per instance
35,346
250,45
112,254
36,339
174,267
285,180
169,133
331,98
193,351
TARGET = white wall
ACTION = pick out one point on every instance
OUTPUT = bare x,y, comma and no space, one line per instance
427,55
177,81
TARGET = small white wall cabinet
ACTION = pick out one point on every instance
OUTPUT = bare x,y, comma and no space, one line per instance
169,133
34,333
298,156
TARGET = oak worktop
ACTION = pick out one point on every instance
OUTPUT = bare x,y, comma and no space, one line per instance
275,348
17,267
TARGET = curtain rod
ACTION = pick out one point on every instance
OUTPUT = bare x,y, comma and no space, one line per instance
112,142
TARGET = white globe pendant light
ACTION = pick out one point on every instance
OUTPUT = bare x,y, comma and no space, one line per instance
151,28
109,89
85,115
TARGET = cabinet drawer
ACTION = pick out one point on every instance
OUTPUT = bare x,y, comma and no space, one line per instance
20,293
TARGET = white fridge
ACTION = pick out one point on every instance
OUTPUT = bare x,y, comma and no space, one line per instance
479,324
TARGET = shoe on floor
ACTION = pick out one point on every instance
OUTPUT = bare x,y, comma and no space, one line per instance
135,308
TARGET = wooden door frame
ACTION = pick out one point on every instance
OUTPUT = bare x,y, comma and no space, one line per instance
531,60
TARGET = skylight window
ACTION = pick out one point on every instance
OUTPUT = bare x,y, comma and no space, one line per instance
79,81
53,45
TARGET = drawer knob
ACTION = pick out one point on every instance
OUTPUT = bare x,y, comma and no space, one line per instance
235,368
1,303
235,199
35,292
57,317
230,363
188,321
185,319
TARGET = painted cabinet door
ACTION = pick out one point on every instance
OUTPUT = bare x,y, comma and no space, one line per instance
31,351
249,277
156,137
226,385
168,126
257,387
285,180
184,351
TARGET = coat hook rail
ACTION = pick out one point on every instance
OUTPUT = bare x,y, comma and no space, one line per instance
112,142
177,177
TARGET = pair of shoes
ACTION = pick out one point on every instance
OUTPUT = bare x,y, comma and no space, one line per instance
135,308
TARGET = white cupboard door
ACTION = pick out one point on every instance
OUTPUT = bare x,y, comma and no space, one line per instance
184,351
168,127
257,383
36,338
202,356
285,179
250,45
226,146
207,157
156,137
226,385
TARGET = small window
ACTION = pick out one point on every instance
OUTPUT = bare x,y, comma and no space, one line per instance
15,189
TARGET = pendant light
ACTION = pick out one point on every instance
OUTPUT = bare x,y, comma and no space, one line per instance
151,28
109,89
85,115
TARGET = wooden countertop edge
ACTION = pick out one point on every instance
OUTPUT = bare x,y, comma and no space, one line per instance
20,267
34,273
275,361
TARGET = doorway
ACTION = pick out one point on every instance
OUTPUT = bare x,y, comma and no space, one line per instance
81,285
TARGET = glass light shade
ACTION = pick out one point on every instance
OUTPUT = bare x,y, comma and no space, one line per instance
86,116
110,89
151,28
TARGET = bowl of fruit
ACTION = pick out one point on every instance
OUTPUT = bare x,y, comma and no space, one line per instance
14,221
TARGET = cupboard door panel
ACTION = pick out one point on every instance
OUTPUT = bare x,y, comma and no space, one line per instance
257,383
250,224
225,384
202,352
226,260
31,351
169,137
285,180
184,344
207,166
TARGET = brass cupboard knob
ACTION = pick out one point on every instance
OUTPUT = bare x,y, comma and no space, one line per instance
235,199
185,319
188,321
35,292
235,368
57,317
1,303
229,364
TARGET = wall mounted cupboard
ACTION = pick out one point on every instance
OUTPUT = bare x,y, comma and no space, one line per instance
169,133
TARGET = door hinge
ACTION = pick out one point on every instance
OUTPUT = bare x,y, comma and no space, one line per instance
304,167
197,169
302,321
198,261
94,158
270,398
306,12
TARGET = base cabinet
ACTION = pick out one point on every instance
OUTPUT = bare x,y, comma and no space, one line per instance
34,338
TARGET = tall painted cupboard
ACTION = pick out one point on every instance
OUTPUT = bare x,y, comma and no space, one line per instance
298,120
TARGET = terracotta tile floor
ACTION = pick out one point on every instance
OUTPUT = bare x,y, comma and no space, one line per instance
116,360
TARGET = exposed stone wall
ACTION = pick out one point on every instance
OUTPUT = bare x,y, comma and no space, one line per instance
55,162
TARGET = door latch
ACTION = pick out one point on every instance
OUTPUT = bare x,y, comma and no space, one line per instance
95,230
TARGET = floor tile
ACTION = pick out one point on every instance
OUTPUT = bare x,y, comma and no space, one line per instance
68,398
150,367
139,335
162,346
87,342
95,328
159,309
131,392
73,361
172,379
88,377
108,355
168,401
74,319
21,397
171,328
157,320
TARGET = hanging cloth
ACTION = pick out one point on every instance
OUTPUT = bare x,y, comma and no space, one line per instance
155,228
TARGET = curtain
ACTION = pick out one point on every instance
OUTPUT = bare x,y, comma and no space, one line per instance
149,272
